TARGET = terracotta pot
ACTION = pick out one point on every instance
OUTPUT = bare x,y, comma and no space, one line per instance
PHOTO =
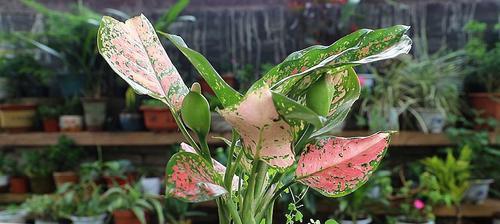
487,103
50,125
94,113
61,178
228,78
17,117
42,185
158,119
71,123
18,185
127,217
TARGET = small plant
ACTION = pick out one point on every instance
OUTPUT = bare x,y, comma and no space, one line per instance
43,207
65,154
72,106
7,164
37,163
82,200
47,112
178,212
416,206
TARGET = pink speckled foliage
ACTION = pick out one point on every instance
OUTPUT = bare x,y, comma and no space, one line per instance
135,53
336,166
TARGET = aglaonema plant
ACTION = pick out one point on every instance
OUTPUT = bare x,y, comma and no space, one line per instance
280,126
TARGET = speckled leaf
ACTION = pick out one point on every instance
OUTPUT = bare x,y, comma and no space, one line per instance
190,178
292,110
219,168
226,94
264,133
336,166
135,53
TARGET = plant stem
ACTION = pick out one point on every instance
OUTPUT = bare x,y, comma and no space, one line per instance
205,151
261,176
220,211
271,202
233,211
248,205
184,130
303,139
228,176
269,214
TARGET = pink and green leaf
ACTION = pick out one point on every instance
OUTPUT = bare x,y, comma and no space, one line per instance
189,177
264,133
336,166
226,94
135,53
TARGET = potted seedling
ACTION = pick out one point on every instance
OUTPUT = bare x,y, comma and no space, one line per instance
38,167
66,157
13,214
50,117
130,119
83,203
157,116
43,208
18,182
118,173
130,206
150,183
71,119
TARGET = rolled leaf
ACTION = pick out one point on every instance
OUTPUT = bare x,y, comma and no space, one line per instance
189,177
135,53
262,130
336,166
293,110
226,94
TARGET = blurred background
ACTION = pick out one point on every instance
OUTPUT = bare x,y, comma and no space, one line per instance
66,117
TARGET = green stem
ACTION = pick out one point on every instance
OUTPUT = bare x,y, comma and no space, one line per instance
248,206
271,202
261,176
220,210
304,138
233,211
228,176
184,130
205,151
269,214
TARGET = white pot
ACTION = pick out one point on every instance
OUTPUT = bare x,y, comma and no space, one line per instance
4,180
360,221
98,219
4,93
428,222
41,221
151,185
496,221
71,123
433,119
478,191
11,216
218,123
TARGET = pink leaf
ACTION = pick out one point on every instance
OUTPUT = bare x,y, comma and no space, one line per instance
135,53
257,120
336,166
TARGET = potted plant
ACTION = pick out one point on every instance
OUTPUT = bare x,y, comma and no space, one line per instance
415,206
268,124
150,182
179,212
157,116
13,214
118,173
50,117
130,119
43,208
83,203
38,167
66,156
6,164
71,119
130,206
482,82
18,182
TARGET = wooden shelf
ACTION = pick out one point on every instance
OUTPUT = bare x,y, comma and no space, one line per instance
9,198
401,139
486,209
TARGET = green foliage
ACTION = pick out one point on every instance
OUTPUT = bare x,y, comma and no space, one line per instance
177,211
171,15
7,164
426,194
72,106
46,111
130,100
37,163
153,103
65,154
82,200
45,207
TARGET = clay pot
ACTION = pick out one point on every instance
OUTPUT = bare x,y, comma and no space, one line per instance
50,125
18,185
158,119
61,178
127,217
487,103
17,117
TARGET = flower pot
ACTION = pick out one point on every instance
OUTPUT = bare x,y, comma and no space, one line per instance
61,178
131,121
478,191
151,185
13,216
487,103
228,78
386,119
219,124
127,217
42,185
433,119
94,113
71,123
158,119
4,93
43,221
98,219
359,221
50,125
401,221
18,185
17,117
4,180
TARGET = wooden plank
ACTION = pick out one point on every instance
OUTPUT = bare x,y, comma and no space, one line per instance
9,198
484,210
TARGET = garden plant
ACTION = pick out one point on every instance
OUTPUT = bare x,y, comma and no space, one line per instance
280,125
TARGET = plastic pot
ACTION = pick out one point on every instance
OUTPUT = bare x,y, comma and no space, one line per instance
11,216
131,121
433,119
18,185
487,103
359,221
219,124
42,185
151,185
17,117
407,222
50,125
4,180
127,217
478,191
71,123
98,219
158,119
94,113
61,178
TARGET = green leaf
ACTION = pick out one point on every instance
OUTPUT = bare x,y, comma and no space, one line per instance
331,221
171,15
292,110
226,94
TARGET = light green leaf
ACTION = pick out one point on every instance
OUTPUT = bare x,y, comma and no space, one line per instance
292,110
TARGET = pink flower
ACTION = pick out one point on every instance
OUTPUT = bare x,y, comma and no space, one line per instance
418,204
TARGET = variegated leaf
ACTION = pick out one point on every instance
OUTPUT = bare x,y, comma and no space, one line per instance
263,132
292,110
226,94
135,53
191,178
337,166
219,168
